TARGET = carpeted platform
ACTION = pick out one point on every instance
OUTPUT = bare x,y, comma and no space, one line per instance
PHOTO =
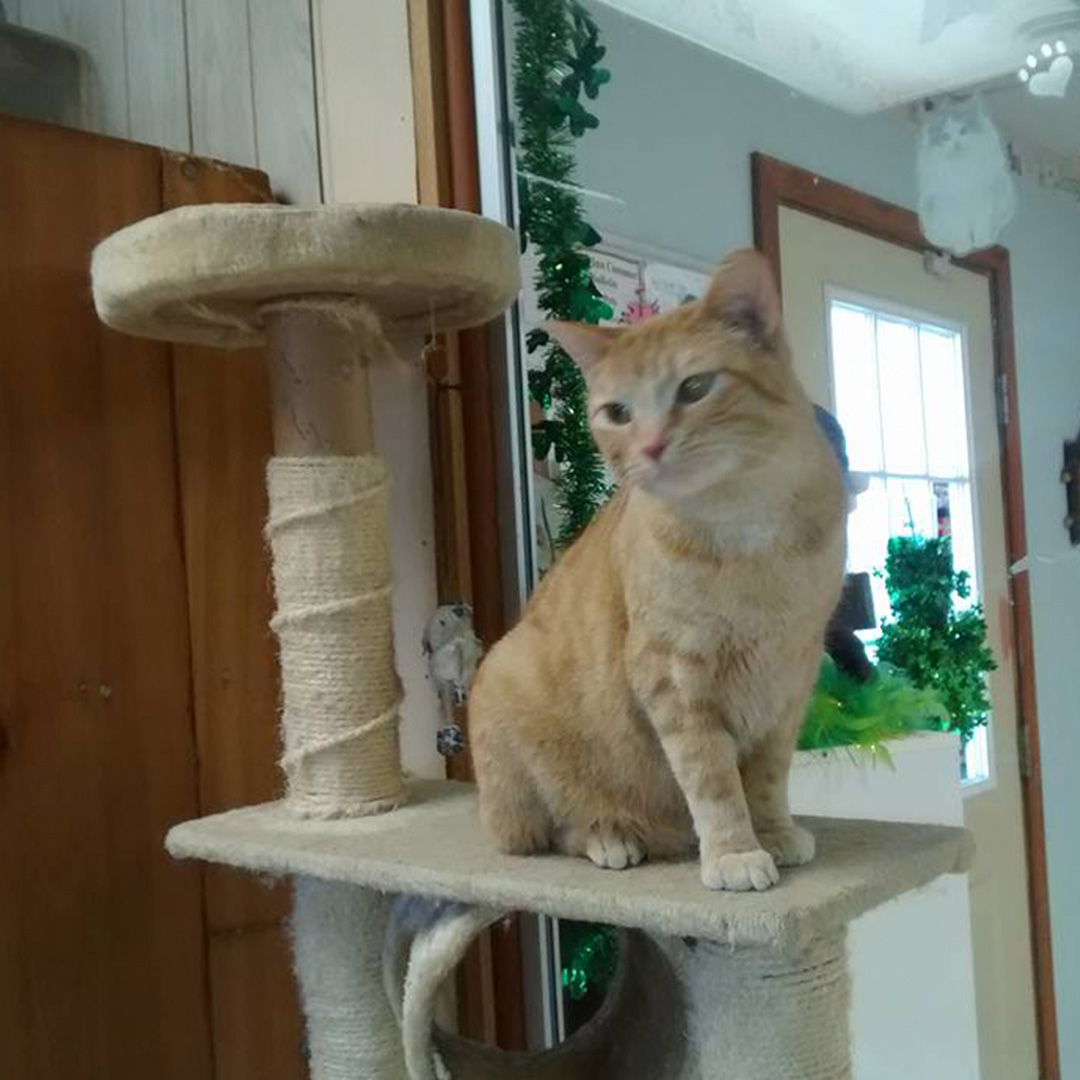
433,846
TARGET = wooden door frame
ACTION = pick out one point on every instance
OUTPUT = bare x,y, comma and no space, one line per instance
776,184
465,452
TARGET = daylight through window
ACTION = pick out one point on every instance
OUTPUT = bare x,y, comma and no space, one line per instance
900,396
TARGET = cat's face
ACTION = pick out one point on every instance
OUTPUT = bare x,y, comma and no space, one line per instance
683,401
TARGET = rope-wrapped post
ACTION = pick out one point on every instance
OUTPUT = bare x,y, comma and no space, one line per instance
338,933
327,530
318,285
772,1013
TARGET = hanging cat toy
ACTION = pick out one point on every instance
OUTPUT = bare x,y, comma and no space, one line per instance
453,654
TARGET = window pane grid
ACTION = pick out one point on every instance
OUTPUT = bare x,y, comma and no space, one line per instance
922,398
934,393
899,394
902,414
943,478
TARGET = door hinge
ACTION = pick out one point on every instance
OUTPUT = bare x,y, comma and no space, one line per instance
1003,399
1023,750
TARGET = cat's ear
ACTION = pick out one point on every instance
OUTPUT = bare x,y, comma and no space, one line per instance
743,295
586,344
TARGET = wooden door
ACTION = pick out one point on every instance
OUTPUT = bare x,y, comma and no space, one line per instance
835,277
136,674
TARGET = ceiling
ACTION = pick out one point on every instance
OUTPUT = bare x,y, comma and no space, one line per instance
1051,125
868,55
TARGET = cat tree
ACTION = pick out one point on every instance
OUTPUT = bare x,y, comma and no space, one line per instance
710,985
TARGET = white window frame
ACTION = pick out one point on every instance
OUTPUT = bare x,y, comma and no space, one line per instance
890,308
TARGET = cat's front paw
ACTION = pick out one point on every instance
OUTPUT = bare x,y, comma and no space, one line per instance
613,848
740,871
789,846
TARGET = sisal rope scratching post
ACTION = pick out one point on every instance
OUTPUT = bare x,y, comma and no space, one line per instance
337,949
319,286
329,503
327,531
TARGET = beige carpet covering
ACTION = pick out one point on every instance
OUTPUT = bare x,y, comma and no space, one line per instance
433,846
203,273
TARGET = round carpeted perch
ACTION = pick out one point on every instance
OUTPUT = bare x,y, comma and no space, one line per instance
322,287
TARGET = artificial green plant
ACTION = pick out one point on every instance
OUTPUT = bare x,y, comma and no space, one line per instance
940,646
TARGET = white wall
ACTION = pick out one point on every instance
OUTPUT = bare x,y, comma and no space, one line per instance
319,96
926,930
670,167
368,154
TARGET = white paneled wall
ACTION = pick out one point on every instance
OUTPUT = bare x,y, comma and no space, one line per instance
232,79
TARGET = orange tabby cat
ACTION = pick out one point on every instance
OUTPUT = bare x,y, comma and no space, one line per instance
654,687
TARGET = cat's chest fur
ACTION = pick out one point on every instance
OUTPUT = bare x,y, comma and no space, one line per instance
722,621
735,601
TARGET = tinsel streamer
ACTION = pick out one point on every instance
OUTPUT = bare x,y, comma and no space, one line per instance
593,960
556,69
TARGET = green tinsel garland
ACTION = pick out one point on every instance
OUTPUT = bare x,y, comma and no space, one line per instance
556,63
593,957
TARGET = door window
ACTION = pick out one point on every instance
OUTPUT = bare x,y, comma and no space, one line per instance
900,394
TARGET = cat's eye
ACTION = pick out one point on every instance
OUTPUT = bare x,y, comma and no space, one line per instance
695,388
615,412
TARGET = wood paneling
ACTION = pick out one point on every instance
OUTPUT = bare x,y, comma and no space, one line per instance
283,87
465,453
223,440
220,81
155,57
258,1034
137,675
427,56
102,950
231,79
1035,833
434,185
98,28
481,453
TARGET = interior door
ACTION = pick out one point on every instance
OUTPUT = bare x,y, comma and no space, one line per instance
825,265
137,680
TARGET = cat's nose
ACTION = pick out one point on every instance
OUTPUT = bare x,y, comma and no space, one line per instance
655,447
